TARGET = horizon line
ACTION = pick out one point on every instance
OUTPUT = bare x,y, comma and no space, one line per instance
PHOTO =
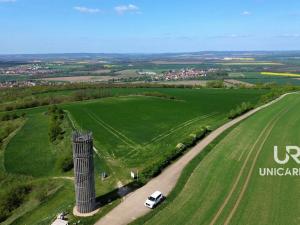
146,53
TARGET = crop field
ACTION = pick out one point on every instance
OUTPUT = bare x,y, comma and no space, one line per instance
226,187
258,63
24,156
132,132
258,77
280,74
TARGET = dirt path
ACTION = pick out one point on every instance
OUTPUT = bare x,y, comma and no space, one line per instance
64,178
132,207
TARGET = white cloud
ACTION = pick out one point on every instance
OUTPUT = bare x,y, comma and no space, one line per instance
232,36
290,36
7,1
121,9
246,13
83,9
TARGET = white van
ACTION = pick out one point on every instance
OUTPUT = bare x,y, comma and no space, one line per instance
154,199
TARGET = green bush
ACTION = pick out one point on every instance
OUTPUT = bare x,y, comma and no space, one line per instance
66,163
159,95
12,199
54,131
4,133
11,116
215,84
240,110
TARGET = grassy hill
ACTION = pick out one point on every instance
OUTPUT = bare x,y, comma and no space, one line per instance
131,131
226,188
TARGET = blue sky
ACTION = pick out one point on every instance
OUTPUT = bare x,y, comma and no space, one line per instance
147,26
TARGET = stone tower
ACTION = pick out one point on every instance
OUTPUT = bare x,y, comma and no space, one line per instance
84,172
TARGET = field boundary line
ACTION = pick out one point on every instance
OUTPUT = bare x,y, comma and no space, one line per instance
241,194
115,130
111,131
6,142
73,123
64,178
178,127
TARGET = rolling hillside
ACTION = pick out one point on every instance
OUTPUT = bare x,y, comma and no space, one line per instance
226,187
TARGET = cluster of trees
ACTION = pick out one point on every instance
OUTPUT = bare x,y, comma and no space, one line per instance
156,168
159,95
35,102
80,95
6,131
276,92
56,133
11,116
87,94
56,117
13,94
215,84
12,199
7,125
240,110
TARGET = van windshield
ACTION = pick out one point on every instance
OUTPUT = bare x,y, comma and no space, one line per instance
151,199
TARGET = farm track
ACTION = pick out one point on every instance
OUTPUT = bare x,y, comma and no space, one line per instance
178,127
122,137
132,207
115,130
116,133
263,136
64,178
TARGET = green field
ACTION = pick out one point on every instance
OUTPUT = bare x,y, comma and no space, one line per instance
24,156
226,188
135,131
130,131
258,78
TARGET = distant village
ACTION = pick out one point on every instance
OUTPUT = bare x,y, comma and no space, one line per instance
27,69
11,84
185,74
29,75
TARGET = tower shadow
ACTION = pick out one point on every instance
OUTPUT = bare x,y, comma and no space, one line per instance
118,193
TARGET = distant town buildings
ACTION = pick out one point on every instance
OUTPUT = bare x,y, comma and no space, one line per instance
147,73
185,74
27,69
11,84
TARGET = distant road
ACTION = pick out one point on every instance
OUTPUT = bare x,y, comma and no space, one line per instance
133,205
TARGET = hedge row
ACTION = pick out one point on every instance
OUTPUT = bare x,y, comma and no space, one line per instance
56,117
6,132
56,134
240,110
11,116
159,95
157,167
12,200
